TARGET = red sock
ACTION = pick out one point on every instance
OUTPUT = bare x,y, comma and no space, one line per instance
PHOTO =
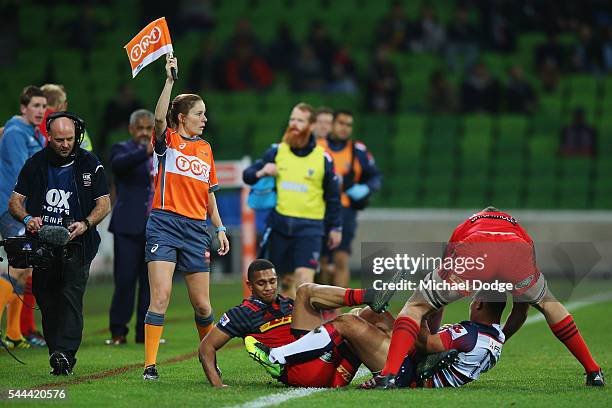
405,331
27,323
567,332
353,297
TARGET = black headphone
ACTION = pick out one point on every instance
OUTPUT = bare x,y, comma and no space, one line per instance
79,125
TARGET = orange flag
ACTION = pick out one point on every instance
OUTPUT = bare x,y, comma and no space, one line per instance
149,44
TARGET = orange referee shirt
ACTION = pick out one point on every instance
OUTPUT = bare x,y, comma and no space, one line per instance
184,171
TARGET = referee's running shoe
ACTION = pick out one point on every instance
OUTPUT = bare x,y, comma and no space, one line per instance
150,373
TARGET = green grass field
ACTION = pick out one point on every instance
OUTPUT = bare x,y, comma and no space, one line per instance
535,369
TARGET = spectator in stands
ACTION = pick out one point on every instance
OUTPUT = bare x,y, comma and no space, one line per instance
480,92
519,95
243,35
283,50
308,74
117,112
8,46
536,15
428,34
554,15
84,30
132,165
383,84
441,97
207,68
497,26
550,74
462,46
246,70
578,139
195,15
343,75
323,46
324,117
550,53
587,54
393,29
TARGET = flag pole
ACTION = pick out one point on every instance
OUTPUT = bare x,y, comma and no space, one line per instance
173,70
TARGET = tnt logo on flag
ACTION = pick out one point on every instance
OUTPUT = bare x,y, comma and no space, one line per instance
149,44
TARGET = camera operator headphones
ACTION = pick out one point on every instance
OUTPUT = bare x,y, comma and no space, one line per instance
79,125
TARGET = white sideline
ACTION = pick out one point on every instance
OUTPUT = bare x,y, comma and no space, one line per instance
275,399
278,398
575,305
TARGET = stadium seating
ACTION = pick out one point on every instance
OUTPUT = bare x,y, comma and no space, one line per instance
463,160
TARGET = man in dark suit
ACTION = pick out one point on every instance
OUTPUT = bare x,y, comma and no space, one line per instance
131,163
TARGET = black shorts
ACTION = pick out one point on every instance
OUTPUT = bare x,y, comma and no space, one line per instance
288,253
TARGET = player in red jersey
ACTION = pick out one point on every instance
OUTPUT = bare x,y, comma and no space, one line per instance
275,320
508,257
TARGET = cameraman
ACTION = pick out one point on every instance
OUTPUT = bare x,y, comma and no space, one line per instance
63,185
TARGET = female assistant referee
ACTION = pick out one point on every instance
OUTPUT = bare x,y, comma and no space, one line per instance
176,233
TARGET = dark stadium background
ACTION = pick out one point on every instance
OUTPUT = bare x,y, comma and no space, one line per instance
435,148
463,103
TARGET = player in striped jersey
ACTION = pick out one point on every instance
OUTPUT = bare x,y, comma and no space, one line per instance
465,350
176,232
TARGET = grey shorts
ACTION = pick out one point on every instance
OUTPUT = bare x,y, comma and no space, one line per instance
181,240
439,298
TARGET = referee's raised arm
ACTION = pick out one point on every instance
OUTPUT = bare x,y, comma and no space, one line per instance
161,109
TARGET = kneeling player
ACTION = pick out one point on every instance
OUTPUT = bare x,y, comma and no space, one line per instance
509,254
275,320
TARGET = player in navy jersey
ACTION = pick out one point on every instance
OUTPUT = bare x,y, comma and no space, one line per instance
273,320
464,350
